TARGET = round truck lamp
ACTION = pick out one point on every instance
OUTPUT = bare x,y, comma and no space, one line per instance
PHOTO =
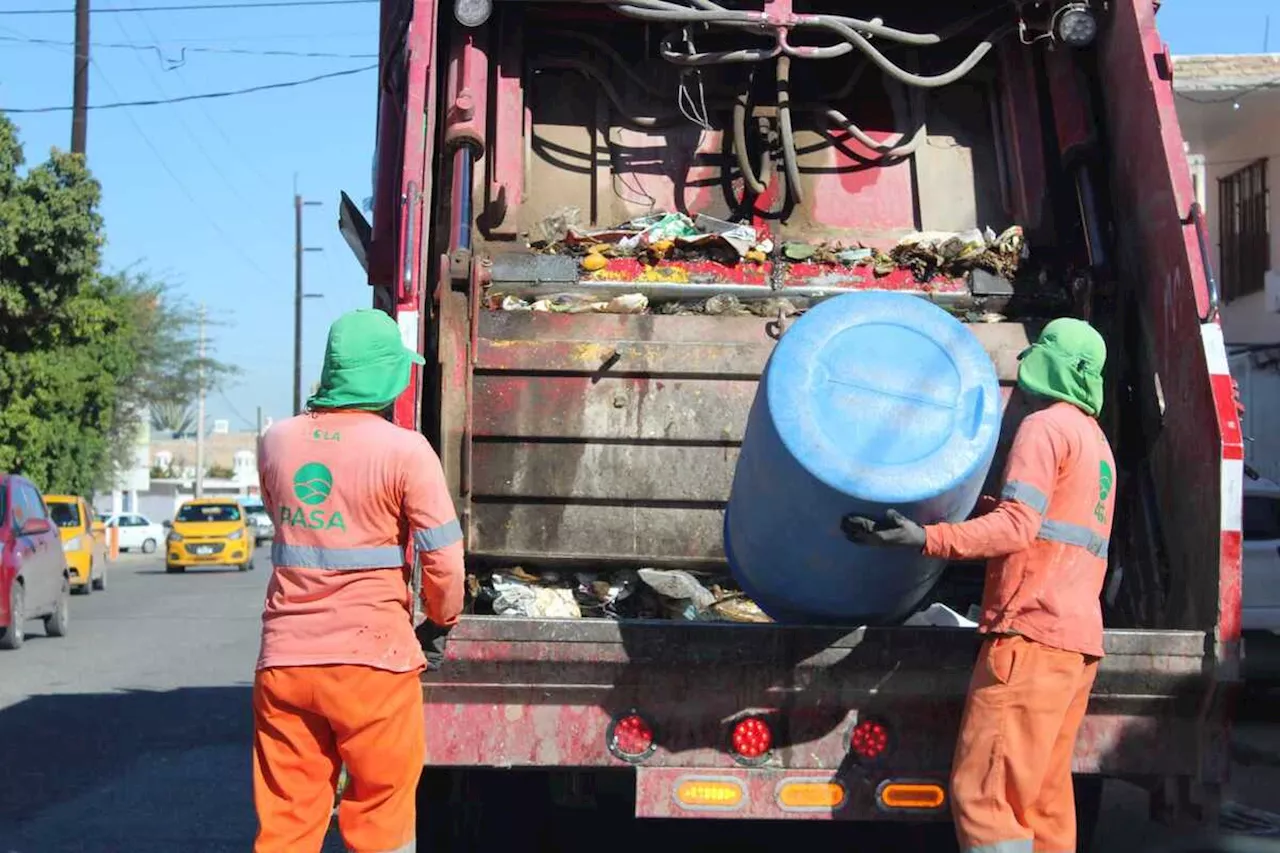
1076,26
472,13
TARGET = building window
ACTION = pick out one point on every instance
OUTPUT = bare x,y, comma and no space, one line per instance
1245,232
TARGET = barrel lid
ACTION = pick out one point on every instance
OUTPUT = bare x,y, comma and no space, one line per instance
884,397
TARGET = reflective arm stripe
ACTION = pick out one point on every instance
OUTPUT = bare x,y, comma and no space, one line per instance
438,537
1026,494
336,559
1074,534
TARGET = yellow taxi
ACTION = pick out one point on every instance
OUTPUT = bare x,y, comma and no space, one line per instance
209,532
85,554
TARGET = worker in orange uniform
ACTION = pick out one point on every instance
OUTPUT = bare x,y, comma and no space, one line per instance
1046,545
338,675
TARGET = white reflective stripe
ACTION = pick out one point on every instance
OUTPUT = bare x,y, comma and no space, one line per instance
1215,348
1232,495
1014,845
336,559
438,537
1073,534
1025,493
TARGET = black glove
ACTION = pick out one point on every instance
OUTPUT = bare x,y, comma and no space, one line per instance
898,532
433,639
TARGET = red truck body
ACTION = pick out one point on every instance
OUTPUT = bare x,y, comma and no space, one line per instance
590,441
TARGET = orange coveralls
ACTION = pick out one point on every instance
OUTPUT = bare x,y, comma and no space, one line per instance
1047,538
338,675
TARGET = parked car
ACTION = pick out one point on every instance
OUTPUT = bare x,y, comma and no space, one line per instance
34,581
259,519
84,552
209,532
1260,608
137,532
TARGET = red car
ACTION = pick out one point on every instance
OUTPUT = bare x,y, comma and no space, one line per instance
34,583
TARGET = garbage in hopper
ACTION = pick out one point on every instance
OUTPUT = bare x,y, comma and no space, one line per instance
616,594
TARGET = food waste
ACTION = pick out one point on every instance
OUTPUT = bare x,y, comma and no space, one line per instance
665,238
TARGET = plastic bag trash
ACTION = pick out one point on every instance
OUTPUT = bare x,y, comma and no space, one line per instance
736,607
850,257
939,615
627,303
514,303
670,227
513,597
683,596
741,236
554,228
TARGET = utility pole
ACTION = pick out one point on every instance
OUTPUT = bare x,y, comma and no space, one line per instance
200,411
80,93
298,295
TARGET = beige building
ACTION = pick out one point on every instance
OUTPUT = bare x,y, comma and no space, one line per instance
1229,110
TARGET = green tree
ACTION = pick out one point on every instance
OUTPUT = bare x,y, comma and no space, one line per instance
82,355
60,327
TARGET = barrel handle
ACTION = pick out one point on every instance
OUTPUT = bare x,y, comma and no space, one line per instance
973,406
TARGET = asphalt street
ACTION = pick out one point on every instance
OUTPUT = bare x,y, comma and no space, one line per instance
132,733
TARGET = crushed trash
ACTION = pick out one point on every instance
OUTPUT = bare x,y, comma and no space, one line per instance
683,596
623,594
575,303
928,252
728,305
939,615
514,596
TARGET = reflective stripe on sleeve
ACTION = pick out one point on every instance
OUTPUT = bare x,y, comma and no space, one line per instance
1074,534
336,559
438,537
1026,494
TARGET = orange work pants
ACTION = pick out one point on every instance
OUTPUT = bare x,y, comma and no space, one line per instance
308,722
1011,789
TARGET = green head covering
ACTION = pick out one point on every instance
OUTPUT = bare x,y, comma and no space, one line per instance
365,364
1066,364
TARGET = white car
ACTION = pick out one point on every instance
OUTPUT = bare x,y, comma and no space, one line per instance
1260,598
137,532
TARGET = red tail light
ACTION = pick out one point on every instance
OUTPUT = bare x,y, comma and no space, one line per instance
751,739
869,740
630,737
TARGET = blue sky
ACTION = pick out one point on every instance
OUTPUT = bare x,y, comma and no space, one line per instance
201,193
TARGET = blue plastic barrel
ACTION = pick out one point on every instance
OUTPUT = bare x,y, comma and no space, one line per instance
870,401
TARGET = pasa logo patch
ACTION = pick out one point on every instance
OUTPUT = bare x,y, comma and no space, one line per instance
312,483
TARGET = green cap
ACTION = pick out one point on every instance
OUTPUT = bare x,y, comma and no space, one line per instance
1066,364
365,364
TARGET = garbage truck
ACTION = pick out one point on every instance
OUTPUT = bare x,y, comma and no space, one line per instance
597,219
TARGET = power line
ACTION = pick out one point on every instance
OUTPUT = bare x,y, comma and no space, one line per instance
182,56
178,181
195,7
204,96
1234,96
119,22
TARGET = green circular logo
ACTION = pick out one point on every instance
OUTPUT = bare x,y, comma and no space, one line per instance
312,483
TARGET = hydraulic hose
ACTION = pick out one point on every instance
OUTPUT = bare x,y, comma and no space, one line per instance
749,176
724,57
888,67
605,48
902,148
564,63
790,161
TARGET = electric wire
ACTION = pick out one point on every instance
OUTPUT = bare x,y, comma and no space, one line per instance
159,50
203,96
194,7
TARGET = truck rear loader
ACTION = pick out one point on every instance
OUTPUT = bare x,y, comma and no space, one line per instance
516,139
